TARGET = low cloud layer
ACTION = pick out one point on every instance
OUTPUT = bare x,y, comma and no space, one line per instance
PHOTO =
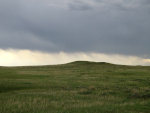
76,26
27,57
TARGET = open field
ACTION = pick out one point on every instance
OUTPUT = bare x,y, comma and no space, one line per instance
78,87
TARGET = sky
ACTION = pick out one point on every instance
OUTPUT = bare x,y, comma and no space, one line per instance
42,32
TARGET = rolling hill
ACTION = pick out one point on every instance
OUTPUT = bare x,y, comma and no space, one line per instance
77,87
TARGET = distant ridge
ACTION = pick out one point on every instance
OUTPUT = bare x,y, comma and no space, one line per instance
79,63
100,63
89,62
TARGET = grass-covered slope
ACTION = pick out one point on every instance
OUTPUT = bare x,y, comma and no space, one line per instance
78,87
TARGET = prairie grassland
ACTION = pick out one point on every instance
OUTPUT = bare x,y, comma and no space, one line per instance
78,87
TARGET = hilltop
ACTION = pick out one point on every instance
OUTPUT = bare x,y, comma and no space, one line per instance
76,87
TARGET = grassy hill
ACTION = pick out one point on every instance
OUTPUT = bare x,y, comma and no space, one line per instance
78,87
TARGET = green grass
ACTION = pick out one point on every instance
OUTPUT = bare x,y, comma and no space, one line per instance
78,87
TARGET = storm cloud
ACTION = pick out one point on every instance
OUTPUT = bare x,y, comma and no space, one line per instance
105,26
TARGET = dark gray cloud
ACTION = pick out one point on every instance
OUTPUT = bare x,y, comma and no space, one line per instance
80,5
117,26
